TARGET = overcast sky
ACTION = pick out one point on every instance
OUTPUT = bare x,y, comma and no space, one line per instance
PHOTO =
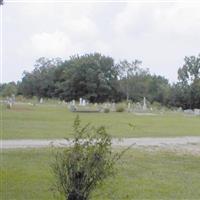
158,34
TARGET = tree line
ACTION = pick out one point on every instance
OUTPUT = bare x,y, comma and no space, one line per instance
98,78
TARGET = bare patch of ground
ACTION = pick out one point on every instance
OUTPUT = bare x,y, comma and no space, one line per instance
179,145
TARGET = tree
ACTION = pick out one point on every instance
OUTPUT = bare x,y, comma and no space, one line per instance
190,70
189,77
8,89
91,76
84,165
41,81
126,71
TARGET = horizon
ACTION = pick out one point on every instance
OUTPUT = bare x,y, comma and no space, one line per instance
160,34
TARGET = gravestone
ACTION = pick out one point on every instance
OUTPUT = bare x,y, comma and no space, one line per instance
180,109
13,98
9,103
41,100
129,107
144,107
113,107
83,102
138,106
189,111
80,101
197,111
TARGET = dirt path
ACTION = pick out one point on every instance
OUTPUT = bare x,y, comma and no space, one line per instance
178,144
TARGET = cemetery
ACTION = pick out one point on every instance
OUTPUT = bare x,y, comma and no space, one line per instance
147,167
99,100
35,119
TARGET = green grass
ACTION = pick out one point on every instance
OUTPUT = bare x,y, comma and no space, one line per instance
55,121
26,174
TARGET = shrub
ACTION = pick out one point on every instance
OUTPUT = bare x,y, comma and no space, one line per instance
106,110
120,108
85,164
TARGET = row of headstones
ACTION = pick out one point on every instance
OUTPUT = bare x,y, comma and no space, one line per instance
192,112
112,106
82,102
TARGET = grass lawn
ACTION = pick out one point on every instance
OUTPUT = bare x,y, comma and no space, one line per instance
55,121
25,175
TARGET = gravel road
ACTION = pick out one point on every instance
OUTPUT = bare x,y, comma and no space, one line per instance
183,144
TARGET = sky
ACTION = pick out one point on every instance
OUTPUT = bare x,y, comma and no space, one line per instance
159,33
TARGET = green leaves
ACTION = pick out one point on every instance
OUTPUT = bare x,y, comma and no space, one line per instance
80,168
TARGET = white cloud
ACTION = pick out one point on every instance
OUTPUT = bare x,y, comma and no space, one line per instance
81,29
51,44
160,34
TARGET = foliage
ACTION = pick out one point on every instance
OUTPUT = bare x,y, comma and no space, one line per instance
7,90
106,110
120,108
41,82
187,90
97,78
84,165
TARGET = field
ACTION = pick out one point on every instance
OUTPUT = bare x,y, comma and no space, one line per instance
26,174
55,121
141,174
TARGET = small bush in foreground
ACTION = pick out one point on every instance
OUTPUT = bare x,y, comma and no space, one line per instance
84,165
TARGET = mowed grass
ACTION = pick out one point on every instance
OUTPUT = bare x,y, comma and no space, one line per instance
26,174
55,121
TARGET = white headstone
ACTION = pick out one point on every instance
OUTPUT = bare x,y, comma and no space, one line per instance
129,106
41,100
189,111
113,105
80,101
73,102
144,107
83,102
13,98
197,111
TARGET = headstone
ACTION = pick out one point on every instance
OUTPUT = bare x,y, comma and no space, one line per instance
80,101
129,107
144,107
72,108
189,111
9,102
41,100
197,111
73,102
13,98
105,105
138,106
180,109
83,102
113,107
